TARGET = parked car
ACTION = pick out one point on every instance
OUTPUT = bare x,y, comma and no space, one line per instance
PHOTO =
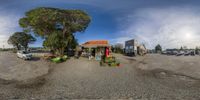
187,54
180,53
24,55
164,53
70,53
192,53
175,52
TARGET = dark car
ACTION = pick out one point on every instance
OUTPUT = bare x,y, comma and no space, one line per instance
70,52
192,53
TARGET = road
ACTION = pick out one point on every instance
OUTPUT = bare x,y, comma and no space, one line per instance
152,77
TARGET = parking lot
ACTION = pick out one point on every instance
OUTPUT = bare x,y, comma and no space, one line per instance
13,68
150,77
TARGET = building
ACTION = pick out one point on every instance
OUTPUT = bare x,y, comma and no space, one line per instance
96,48
133,48
141,49
96,43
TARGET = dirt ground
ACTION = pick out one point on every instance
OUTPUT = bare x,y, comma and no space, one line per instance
13,68
151,77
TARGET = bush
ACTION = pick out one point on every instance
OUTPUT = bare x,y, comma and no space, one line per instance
59,59
14,50
64,57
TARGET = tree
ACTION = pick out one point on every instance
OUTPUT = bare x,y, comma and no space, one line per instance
26,40
19,39
55,42
45,22
118,48
14,40
197,50
185,47
112,48
73,43
181,48
158,48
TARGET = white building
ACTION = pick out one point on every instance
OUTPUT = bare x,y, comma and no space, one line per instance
133,48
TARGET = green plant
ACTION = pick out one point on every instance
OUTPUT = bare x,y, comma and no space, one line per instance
55,24
19,39
59,59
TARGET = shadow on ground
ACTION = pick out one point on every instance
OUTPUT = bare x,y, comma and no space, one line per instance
36,82
35,59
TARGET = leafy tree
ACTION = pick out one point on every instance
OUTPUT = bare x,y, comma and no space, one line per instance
45,22
112,48
181,48
185,47
197,50
26,40
73,43
158,48
118,48
55,42
14,40
19,39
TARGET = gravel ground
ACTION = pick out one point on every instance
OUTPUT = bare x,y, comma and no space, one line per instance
13,68
153,77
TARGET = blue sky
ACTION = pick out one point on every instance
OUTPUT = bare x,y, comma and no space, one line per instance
171,23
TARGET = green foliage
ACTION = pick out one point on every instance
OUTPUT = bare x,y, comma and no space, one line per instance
158,48
73,43
14,40
117,48
181,48
197,49
59,59
19,39
110,61
56,42
6,49
55,25
43,21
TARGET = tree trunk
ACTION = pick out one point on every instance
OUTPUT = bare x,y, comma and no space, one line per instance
18,47
26,47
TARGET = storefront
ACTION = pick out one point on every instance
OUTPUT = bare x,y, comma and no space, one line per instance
96,49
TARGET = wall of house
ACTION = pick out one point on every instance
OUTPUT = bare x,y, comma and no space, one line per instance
131,47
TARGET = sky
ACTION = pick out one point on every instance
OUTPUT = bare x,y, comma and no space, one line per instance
170,23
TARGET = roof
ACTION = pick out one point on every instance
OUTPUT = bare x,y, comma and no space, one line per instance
96,43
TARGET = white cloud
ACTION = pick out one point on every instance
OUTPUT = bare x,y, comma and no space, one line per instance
8,25
171,27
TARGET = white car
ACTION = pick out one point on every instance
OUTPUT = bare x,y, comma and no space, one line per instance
24,55
180,53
